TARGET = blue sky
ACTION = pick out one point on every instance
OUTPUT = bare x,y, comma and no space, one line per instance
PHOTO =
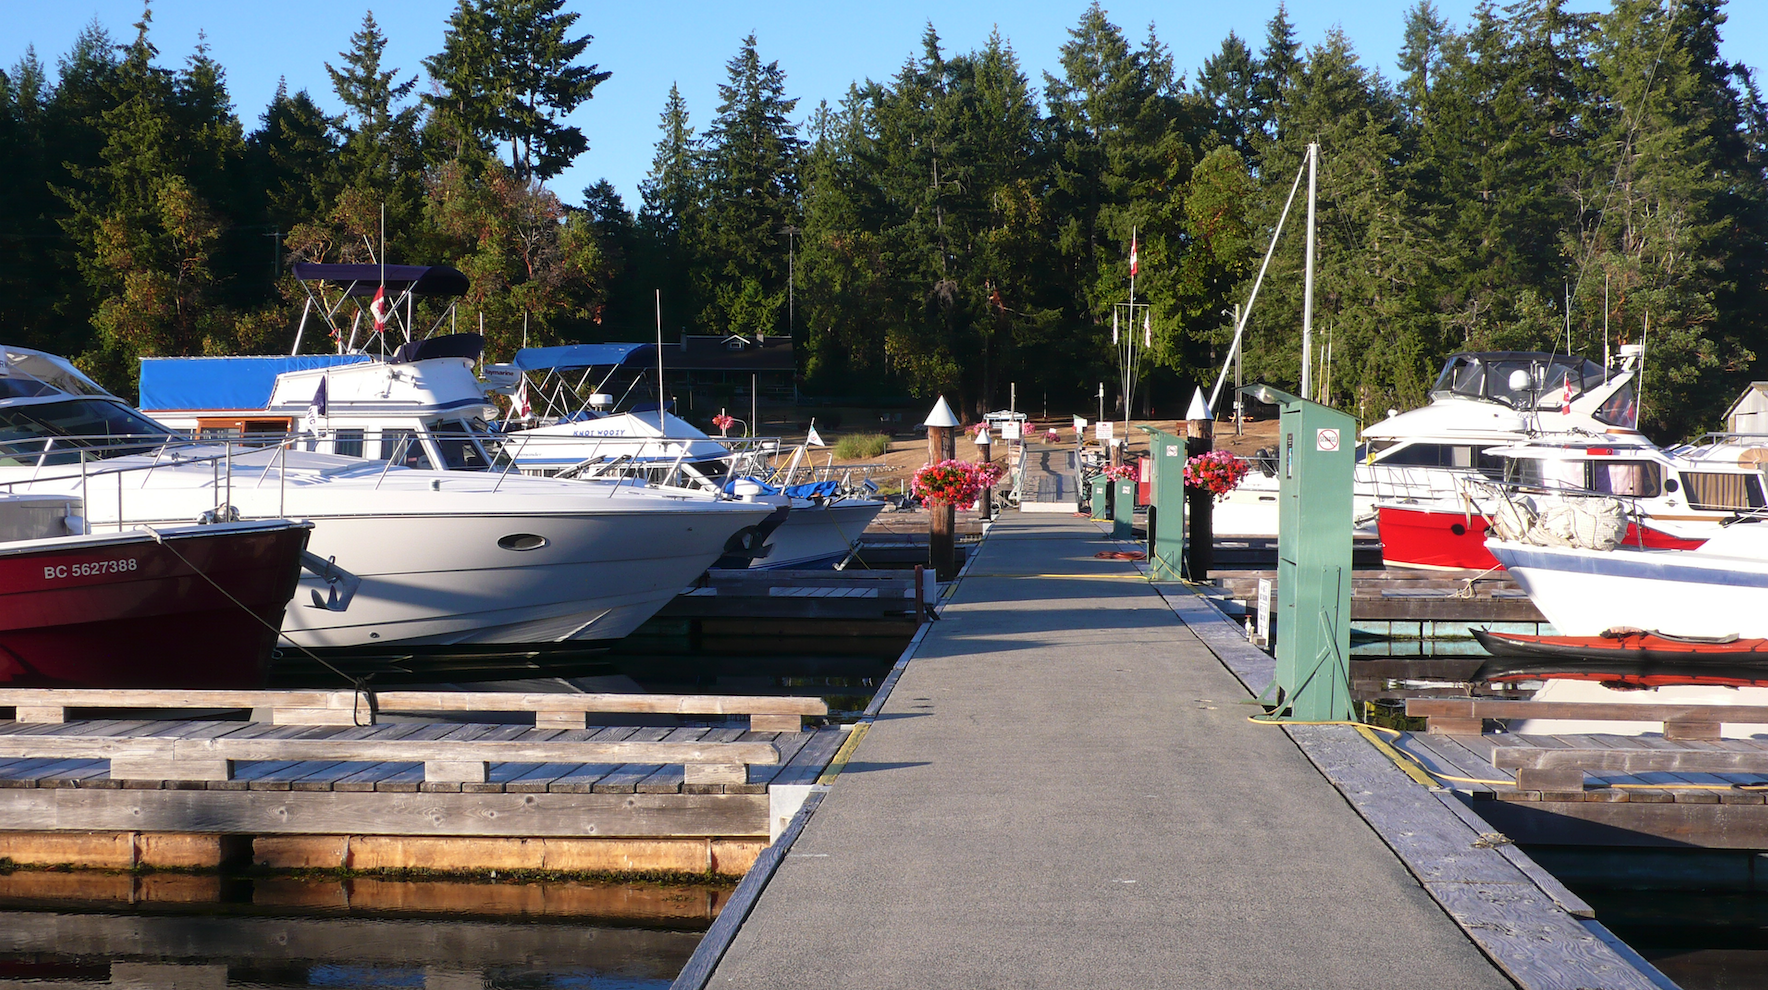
822,46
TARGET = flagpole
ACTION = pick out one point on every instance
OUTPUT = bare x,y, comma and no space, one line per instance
1307,298
383,261
661,429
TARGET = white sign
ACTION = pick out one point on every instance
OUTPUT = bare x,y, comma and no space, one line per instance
1264,611
1080,425
502,376
1172,450
1326,440
1103,429
1012,430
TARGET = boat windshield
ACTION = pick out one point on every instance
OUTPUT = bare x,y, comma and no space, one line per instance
463,445
1488,376
105,427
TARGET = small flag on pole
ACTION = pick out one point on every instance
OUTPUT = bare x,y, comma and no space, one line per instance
1147,329
1565,401
813,439
1114,326
379,309
1132,252
316,408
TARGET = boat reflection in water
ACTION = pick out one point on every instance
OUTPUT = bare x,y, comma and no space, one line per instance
165,930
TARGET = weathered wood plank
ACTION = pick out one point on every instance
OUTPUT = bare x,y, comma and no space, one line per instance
1507,708
333,812
1528,757
414,701
1515,922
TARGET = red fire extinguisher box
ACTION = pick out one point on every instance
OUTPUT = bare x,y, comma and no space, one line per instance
1144,479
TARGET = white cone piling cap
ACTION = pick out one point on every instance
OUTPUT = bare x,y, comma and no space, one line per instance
941,415
1199,408
983,439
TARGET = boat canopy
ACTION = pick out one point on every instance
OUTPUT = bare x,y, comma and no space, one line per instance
1486,375
460,345
580,355
24,372
364,280
224,382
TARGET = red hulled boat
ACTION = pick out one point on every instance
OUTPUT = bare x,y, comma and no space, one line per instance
1628,658
176,607
1451,537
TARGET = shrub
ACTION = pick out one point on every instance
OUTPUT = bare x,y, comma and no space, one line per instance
856,445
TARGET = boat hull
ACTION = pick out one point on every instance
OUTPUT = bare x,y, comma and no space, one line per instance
1674,592
818,535
1631,659
1450,537
126,611
445,558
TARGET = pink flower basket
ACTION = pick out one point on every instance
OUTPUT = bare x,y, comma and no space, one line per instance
1218,471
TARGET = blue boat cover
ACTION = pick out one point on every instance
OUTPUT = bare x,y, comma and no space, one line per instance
814,489
580,355
169,383
364,280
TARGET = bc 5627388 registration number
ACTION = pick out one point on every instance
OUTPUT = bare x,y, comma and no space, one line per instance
89,569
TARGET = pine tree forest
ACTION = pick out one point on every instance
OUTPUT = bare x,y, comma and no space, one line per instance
1534,179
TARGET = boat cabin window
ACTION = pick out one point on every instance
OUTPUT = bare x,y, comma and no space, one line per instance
104,427
1721,491
1487,376
1630,479
1440,455
347,442
1620,409
404,449
459,450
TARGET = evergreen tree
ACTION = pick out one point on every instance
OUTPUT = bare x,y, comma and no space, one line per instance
1228,85
751,181
508,71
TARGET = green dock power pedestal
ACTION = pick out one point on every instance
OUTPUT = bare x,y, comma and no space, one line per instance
1123,509
1316,462
1166,505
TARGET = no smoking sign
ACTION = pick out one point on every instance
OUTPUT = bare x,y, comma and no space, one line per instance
1326,440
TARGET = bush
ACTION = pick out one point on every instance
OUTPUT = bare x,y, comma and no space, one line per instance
856,445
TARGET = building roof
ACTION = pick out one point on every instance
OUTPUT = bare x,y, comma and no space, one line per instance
731,353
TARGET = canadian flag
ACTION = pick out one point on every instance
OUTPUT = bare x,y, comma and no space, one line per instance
1132,252
379,309
519,404
1565,401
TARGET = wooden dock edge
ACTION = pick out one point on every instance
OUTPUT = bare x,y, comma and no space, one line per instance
726,856
717,941
1503,909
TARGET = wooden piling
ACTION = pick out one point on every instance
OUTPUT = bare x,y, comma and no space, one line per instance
1200,503
942,519
986,449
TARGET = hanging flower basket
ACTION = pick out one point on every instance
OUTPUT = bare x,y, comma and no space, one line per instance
1218,471
724,423
953,482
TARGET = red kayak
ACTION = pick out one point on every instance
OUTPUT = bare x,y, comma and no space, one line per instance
1625,658
194,607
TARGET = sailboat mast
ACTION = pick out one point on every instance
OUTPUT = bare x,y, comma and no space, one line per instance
661,429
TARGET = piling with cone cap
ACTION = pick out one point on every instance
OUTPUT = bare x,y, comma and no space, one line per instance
1199,501
942,519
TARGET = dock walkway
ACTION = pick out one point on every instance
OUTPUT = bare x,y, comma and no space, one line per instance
1063,790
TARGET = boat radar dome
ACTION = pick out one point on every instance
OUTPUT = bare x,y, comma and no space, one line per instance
1519,380
941,415
600,401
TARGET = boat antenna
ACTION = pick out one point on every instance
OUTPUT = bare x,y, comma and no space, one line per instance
1606,358
383,261
661,429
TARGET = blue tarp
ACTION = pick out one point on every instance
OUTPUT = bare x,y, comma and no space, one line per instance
174,383
814,489
581,355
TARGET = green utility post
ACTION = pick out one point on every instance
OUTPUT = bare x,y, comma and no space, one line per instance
1166,505
1123,510
1315,465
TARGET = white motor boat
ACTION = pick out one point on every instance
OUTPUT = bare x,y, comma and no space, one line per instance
419,559
1480,400
1718,589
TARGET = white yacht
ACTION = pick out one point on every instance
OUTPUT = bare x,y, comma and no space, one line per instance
1480,400
425,409
417,558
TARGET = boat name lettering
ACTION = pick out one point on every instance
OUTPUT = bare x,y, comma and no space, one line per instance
119,566
596,433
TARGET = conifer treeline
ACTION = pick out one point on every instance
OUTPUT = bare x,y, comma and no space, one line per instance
1532,175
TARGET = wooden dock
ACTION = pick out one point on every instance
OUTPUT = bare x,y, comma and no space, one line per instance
316,780
896,594
1062,788
1679,787
1410,595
